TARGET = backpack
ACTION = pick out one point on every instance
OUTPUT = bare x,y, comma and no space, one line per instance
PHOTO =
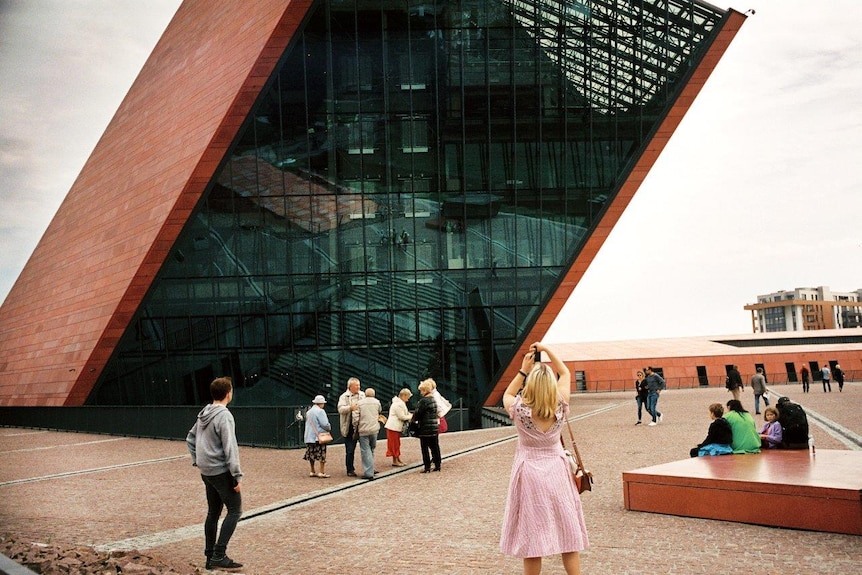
794,424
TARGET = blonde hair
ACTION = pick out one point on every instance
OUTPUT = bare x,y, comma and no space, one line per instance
540,391
427,386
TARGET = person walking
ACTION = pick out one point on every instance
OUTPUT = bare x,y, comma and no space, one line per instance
316,421
641,395
369,428
212,444
838,373
654,383
543,514
426,416
758,387
399,415
825,373
805,379
734,383
348,411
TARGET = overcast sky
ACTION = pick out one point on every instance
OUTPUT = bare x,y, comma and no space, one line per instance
757,191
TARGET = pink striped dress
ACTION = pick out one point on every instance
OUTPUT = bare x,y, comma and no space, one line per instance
543,509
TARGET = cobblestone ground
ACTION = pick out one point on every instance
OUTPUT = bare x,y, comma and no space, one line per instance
109,492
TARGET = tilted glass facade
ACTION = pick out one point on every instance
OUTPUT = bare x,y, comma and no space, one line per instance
408,192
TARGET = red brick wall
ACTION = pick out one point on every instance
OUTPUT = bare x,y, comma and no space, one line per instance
681,372
98,257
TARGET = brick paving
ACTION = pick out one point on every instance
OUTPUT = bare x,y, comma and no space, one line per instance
104,491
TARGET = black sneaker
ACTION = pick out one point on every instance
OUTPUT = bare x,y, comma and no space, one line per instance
351,474
223,563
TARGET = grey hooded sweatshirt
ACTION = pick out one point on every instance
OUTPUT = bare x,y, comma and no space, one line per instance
212,442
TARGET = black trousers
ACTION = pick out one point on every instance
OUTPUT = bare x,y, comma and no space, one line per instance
430,451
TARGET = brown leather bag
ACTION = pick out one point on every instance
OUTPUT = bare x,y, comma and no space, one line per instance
582,477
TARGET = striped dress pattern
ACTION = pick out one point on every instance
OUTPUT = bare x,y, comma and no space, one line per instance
543,513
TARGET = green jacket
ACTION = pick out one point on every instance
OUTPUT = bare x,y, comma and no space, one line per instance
745,436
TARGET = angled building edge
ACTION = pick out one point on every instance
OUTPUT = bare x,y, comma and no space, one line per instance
296,192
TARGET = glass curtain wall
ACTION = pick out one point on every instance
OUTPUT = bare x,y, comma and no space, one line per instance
404,199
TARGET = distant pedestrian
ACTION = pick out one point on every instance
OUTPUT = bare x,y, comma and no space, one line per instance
839,377
805,379
734,383
719,437
825,372
758,387
212,445
369,428
543,513
655,383
642,391
398,418
316,421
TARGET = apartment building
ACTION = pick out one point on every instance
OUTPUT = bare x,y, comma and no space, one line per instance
806,309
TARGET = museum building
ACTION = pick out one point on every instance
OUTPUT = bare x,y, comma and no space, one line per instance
295,192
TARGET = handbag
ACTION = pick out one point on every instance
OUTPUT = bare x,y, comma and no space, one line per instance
323,437
582,477
413,427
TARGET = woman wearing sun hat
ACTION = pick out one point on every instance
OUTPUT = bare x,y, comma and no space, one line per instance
316,421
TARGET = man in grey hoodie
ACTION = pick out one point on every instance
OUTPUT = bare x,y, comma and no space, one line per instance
212,444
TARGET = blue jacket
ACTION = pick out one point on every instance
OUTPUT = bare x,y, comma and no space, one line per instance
315,417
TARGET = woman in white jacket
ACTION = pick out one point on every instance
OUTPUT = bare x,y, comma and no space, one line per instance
399,415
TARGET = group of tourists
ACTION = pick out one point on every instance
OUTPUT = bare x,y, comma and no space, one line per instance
360,416
827,374
213,447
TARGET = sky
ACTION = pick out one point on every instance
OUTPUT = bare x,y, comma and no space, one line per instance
757,191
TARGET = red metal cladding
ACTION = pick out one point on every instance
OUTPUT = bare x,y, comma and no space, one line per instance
595,240
89,273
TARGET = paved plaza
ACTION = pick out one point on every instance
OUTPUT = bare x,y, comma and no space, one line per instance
117,492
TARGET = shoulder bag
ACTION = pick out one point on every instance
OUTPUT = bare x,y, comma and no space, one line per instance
323,437
583,478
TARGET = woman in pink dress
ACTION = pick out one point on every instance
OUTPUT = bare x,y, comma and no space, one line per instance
543,509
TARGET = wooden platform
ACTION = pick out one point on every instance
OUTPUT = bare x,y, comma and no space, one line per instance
780,488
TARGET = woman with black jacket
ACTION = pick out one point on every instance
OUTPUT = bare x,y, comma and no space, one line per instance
642,392
428,433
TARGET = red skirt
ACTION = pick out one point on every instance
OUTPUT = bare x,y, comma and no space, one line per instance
393,443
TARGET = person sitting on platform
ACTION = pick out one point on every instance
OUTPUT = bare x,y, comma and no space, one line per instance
745,436
770,433
718,437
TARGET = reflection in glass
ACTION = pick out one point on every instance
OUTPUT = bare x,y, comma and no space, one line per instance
405,197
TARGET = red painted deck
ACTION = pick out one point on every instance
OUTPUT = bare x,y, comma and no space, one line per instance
792,489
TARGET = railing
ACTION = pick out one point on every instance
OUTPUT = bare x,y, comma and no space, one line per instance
275,427
690,382
495,417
